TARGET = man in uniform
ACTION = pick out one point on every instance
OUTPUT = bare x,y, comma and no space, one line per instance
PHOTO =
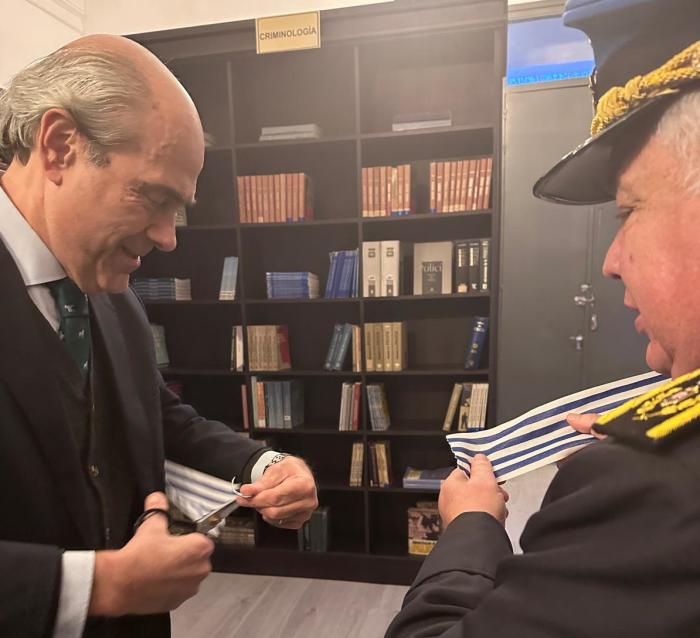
614,550
103,147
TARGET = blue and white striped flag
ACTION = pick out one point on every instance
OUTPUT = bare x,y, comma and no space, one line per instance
542,435
195,493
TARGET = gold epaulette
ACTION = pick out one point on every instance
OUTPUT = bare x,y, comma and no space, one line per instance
619,100
657,416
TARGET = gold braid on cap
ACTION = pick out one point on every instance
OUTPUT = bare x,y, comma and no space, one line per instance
620,100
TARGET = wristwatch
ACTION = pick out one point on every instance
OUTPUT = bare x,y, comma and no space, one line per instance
275,459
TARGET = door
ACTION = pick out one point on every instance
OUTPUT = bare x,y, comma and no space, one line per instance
550,343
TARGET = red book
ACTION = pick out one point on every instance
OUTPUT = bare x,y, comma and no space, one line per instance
244,403
283,345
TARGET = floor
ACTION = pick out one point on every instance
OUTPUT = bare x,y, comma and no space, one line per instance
233,605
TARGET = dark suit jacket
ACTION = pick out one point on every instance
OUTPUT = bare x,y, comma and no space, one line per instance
614,551
44,504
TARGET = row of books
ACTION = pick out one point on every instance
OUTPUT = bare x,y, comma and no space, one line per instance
266,199
238,531
386,191
386,346
162,288
268,348
378,407
343,274
380,474
439,268
277,404
344,335
313,535
468,402
349,418
291,285
460,185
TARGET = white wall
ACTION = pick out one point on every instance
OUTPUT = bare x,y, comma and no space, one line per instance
32,28
138,16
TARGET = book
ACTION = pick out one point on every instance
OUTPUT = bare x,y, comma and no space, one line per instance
378,407
424,528
369,348
452,407
461,275
473,268
161,348
389,269
477,342
357,464
484,275
417,121
333,346
414,478
268,348
237,358
371,269
399,346
464,424
244,404
432,268
291,285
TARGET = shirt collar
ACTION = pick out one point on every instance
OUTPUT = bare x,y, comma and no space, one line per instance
35,262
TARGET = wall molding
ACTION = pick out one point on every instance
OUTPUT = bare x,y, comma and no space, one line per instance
69,12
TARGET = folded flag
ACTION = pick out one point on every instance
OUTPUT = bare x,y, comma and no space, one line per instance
542,435
195,493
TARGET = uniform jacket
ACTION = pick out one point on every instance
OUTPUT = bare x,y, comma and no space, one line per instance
614,551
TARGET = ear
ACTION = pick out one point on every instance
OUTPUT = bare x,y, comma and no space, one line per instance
56,143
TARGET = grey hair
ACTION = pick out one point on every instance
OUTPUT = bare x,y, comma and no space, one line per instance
679,129
99,90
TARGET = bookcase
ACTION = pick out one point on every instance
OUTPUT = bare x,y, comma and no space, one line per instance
407,56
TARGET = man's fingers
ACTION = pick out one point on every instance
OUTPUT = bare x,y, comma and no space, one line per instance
481,469
156,499
279,495
582,422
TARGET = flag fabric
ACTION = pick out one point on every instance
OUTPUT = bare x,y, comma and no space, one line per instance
195,493
542,435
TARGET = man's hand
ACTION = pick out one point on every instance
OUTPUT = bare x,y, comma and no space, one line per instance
479,493
285,495
154,572
583,423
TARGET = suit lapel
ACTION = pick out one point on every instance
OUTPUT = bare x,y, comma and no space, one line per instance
146,464
31,377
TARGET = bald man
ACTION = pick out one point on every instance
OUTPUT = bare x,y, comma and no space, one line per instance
103,147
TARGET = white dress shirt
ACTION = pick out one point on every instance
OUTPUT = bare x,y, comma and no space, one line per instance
39,267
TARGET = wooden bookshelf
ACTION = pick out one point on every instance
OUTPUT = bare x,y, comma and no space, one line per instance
404,56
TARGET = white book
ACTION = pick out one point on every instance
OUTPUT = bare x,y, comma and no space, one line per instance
371,269
293,128
239,349
390,268
343,402
432,268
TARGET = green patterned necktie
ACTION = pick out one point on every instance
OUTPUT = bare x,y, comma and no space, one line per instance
74,330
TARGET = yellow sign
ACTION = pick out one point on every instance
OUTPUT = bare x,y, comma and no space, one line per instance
288,33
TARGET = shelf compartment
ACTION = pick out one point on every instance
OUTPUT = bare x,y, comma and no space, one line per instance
316,85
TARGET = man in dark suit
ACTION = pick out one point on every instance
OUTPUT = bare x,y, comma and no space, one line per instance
103,148
614,549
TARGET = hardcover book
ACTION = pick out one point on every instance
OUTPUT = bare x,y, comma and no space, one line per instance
424,529
432,268
477,343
